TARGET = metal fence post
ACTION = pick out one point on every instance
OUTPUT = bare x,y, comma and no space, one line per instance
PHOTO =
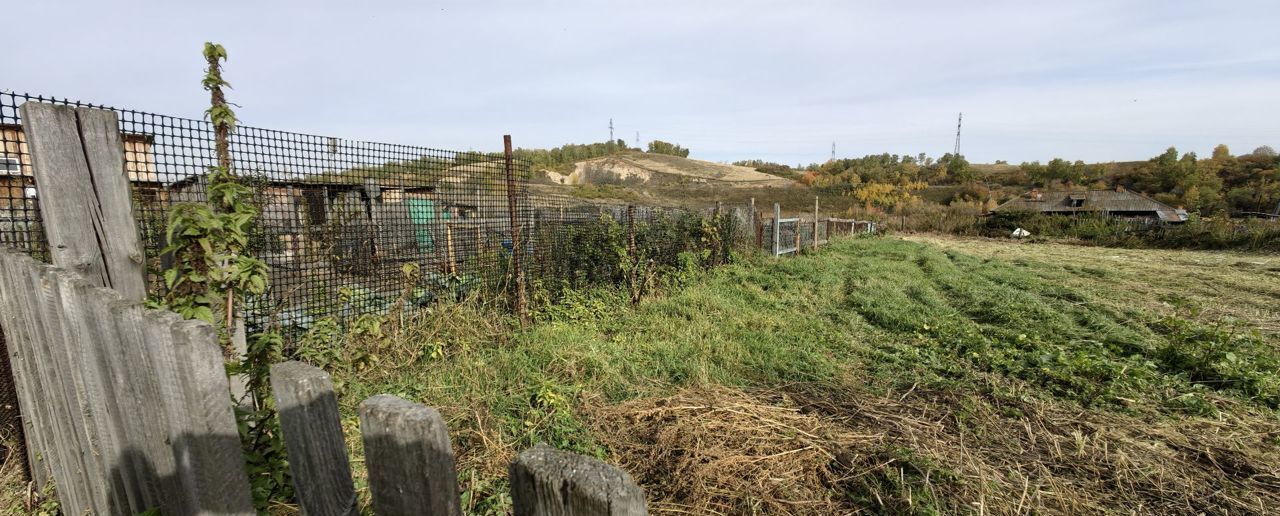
632,273
777,228
517,248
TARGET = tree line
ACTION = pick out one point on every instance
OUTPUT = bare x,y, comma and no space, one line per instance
1221,184
559,158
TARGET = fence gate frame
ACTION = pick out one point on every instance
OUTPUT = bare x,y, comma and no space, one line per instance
778,221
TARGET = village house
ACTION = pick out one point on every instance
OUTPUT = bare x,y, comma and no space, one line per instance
1119,203
17,186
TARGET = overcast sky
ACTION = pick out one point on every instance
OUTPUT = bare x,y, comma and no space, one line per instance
1099,81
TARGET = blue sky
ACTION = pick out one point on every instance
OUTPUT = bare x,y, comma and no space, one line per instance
780,81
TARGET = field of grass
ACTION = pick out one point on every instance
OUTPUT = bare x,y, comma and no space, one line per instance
935,375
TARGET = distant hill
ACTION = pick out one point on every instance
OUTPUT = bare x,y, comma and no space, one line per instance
642,169
634,177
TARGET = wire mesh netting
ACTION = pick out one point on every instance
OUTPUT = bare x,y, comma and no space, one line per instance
794,234
340,219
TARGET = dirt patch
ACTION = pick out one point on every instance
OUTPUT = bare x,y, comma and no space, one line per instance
811,449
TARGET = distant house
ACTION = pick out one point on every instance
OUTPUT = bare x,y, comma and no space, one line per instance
15,170
1118,203
16,183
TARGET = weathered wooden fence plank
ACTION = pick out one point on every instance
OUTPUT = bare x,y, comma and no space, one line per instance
127,406
211,458
68,446
119,241
409,458
128,409
15,289
84,361
78,163
151,451
549,482
312,429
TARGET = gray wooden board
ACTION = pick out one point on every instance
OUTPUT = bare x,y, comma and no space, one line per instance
60,388
408,457
215,467
395,234
81,338
86,212
16,297
118,237
549,482
312,427
153,458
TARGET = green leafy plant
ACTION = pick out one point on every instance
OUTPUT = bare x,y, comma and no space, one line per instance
212,271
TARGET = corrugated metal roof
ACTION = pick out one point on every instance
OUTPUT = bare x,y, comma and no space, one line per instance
1107,201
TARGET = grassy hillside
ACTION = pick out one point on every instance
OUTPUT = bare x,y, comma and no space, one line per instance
662,180
936,376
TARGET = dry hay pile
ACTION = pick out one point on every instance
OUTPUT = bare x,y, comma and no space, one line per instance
719,451
812,450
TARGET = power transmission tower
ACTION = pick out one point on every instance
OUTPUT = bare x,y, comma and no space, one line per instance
959,119
833,151
610,129
637,139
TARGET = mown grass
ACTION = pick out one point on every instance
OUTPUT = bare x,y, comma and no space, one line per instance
872,316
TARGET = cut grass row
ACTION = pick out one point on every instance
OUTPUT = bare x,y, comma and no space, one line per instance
868,317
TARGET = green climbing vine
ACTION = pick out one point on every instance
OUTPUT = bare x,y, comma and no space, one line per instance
213,272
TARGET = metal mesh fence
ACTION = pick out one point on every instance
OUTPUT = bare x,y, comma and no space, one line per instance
797,233
340,219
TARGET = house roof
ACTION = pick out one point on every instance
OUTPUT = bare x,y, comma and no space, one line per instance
1089,201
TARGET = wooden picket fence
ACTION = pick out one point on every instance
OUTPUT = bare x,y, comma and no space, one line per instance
129,409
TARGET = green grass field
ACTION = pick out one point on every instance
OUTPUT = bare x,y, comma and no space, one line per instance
881,375
934,375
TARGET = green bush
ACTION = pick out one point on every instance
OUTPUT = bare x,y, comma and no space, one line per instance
1197,233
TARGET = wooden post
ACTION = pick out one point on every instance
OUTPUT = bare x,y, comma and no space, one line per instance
312,430
209,462
777,228
409,458
546,481
517,248
78,161
815,223
448,238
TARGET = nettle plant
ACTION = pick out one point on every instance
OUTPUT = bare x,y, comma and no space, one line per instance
208,241
212,272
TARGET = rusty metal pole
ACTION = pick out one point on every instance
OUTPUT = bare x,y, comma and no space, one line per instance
632,273
517,248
